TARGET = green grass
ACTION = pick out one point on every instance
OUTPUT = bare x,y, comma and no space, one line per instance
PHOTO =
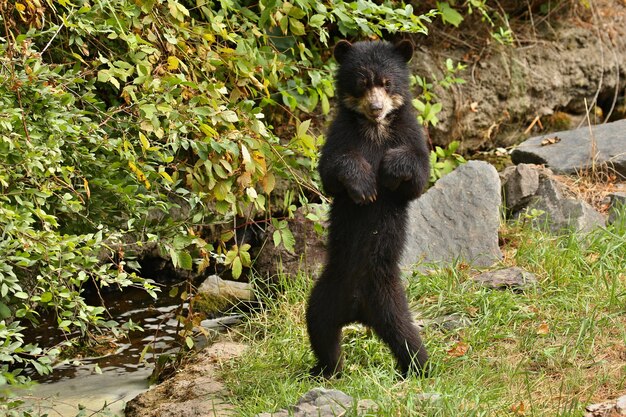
548,351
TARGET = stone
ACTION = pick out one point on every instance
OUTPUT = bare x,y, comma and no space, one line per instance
456,219
561,213
620,405
617,208
519,184
573,151
231,290
194,391
449,322
615,408
429,397
528,187
514,278
322,402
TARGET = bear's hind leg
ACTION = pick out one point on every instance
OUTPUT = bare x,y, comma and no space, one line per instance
324,317
391,319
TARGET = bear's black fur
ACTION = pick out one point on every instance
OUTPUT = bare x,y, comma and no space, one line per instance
374,162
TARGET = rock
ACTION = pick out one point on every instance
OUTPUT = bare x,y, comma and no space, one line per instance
572,151
309,253
457,218
615,408
617,207
221,323
231,290
519,184
450,322
321,402
193,392
428,396
514,278
552,205
620,405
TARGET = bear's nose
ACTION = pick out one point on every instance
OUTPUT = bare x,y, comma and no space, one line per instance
376,106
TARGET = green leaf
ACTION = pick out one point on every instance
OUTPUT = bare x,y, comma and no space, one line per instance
5,311
277,238
449,15
317,20
46,297
288,240
297,28
173,292
21,295
237,267
189,342
186,262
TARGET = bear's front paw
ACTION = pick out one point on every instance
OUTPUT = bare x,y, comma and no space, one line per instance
392,181
362,193
395,169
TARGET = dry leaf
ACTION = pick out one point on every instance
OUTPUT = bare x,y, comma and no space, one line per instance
519,408
550,141
474,106
459,349
543,328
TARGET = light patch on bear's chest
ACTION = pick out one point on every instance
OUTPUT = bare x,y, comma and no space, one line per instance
376,132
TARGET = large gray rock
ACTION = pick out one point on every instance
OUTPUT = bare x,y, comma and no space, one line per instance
571,151
458,218
530,187
321,402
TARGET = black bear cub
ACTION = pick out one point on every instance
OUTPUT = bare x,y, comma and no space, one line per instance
374,162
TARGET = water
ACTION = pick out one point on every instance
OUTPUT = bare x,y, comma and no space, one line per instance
124,373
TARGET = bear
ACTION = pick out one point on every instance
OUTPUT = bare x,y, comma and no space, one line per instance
374,162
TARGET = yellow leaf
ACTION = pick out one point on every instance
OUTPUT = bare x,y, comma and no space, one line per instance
20,7
166,176
172,63
259,160
145,144
87,190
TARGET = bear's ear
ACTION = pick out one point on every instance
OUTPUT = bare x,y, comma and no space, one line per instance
341,50
405,49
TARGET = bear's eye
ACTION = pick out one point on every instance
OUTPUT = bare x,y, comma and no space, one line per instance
387,84
361,83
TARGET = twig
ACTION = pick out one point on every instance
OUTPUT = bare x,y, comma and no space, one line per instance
51,39
536,120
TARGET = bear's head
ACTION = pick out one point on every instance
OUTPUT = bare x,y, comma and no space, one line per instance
373,77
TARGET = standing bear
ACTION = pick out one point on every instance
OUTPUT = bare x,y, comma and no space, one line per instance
374,162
